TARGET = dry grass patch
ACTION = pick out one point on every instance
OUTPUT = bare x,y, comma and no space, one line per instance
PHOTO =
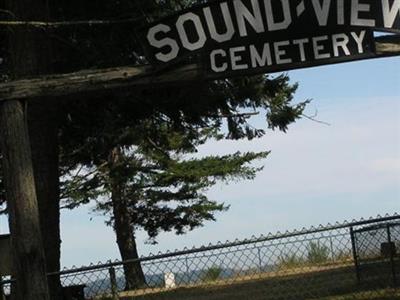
329,282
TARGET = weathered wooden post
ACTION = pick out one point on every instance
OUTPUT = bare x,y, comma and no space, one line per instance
28,255
29,56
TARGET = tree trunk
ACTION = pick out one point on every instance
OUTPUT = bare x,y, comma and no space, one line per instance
44,145
31,54
26,241
134,276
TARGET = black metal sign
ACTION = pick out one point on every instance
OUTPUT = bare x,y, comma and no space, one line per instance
257,35
288,54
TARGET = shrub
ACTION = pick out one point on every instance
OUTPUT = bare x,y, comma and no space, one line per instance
288,261
317,254
212,274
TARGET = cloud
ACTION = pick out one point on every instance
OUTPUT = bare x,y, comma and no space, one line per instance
349,156
387,165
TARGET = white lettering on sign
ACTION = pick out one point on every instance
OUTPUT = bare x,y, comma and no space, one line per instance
359,40
243,16
274,25
322,12
356,9
214,66
230,31
390,13
195,20
287,52
265,59
340,40
280,52
165,42
236,58
301,43
319,47
224,22
340,12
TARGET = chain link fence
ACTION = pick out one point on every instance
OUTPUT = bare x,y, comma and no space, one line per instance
351,260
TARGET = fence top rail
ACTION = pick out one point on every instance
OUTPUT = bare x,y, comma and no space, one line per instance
253,240
382,225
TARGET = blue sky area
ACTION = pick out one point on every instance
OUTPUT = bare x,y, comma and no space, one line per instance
316,173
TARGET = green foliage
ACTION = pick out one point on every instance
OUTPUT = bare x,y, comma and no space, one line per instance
155,128
162,188
190,113
317,254
212,274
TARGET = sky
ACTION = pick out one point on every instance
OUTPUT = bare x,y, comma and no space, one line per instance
316,173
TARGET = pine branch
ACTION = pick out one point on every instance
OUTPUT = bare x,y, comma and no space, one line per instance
242,115
313,117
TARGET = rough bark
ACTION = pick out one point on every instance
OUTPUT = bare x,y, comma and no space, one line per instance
31,55
134,276
44,145
26,241
95,81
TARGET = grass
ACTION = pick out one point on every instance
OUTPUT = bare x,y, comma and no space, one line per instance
330,282
386,294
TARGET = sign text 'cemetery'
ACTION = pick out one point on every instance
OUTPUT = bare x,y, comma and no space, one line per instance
255,36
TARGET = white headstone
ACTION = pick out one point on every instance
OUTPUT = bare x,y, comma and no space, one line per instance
169,279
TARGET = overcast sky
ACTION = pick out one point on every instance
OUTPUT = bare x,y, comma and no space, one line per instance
316,174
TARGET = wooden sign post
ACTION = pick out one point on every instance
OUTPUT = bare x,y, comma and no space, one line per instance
22,202
28,58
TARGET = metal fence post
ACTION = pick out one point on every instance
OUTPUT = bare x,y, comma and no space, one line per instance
355,256
332,250
259,259
187,270
391,255
113,282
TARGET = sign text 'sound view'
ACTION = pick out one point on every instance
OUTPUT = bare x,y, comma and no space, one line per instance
271,35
